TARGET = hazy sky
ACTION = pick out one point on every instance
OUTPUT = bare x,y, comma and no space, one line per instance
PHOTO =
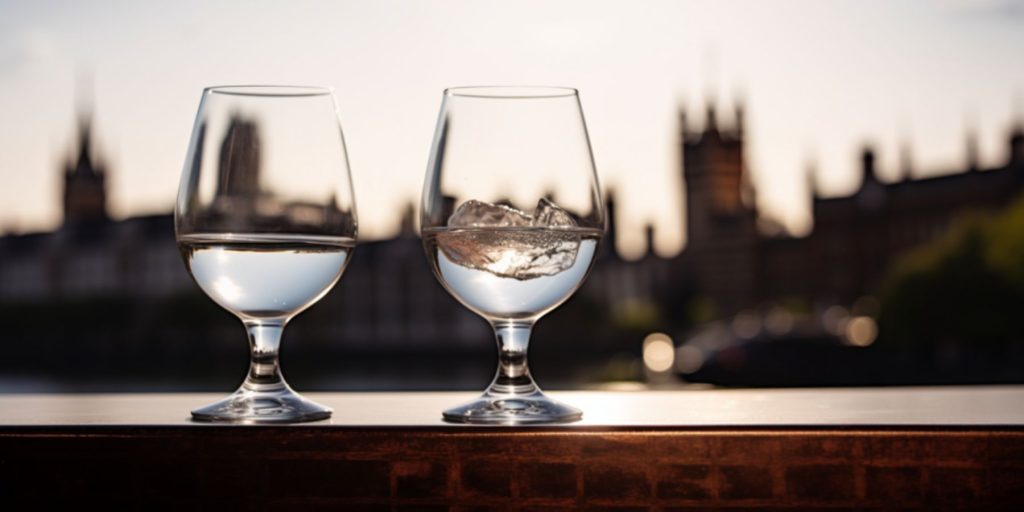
819,79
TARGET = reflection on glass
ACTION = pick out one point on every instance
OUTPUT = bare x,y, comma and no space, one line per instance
266,226
511,250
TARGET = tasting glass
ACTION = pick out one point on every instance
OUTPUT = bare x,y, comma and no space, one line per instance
266,222
511,217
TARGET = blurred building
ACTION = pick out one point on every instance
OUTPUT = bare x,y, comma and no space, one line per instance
854,240
723,246
389,297
91,255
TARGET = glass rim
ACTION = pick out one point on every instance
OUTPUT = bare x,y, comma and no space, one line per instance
270,90
512,92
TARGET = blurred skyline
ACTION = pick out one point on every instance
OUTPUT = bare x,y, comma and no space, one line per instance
818,79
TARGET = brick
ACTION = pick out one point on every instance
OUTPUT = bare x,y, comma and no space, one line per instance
678,481
823,483
837,447
420,479
969,448
486,478
956,484
547,480
894,449
893,484
686,449
748,448
945,449
510,445
615,482
745,482
620,446
330,478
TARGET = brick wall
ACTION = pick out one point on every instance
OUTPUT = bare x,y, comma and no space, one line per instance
504,469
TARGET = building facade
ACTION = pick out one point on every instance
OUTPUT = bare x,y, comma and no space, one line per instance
855,238
388,296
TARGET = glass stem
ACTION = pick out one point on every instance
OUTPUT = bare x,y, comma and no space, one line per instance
513,375
264,370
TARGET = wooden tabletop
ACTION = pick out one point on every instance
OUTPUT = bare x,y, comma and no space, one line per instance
988,406
794,449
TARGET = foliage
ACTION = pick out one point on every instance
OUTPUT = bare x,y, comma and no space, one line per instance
965,288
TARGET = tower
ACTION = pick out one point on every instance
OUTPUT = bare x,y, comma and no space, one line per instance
85,190
713,170
720,218
610,243
971,150
1016,146
238,172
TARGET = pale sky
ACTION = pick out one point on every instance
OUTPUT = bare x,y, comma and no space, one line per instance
819,80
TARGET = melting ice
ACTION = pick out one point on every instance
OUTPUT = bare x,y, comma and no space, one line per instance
525,253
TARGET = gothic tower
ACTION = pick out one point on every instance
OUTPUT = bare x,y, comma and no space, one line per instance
238,170
721,225
85,191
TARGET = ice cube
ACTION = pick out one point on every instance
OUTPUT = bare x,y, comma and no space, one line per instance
518,253
522,255
478,214
549,215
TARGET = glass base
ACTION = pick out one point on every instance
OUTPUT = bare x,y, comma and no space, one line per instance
494,409
254,407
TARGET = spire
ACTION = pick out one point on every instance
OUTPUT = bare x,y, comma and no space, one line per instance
84,194
867,160
811,175
682,122
906,161
739,114
611,236
972,149
1017,145
649,238
83,164
711,126
84,117
407,226
1016,156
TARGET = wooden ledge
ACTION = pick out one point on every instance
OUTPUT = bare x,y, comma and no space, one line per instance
880,448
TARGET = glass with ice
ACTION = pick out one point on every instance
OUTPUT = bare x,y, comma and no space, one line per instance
509,265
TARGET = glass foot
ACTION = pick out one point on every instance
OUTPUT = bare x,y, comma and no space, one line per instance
494,409
252,407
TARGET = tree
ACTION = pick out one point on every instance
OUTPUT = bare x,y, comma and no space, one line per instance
965,288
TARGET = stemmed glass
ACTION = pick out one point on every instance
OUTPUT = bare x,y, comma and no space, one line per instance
266,222
511,218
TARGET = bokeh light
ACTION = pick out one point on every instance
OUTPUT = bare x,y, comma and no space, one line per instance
659,352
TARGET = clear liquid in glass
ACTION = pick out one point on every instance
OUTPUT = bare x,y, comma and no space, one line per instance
265,276
511,273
